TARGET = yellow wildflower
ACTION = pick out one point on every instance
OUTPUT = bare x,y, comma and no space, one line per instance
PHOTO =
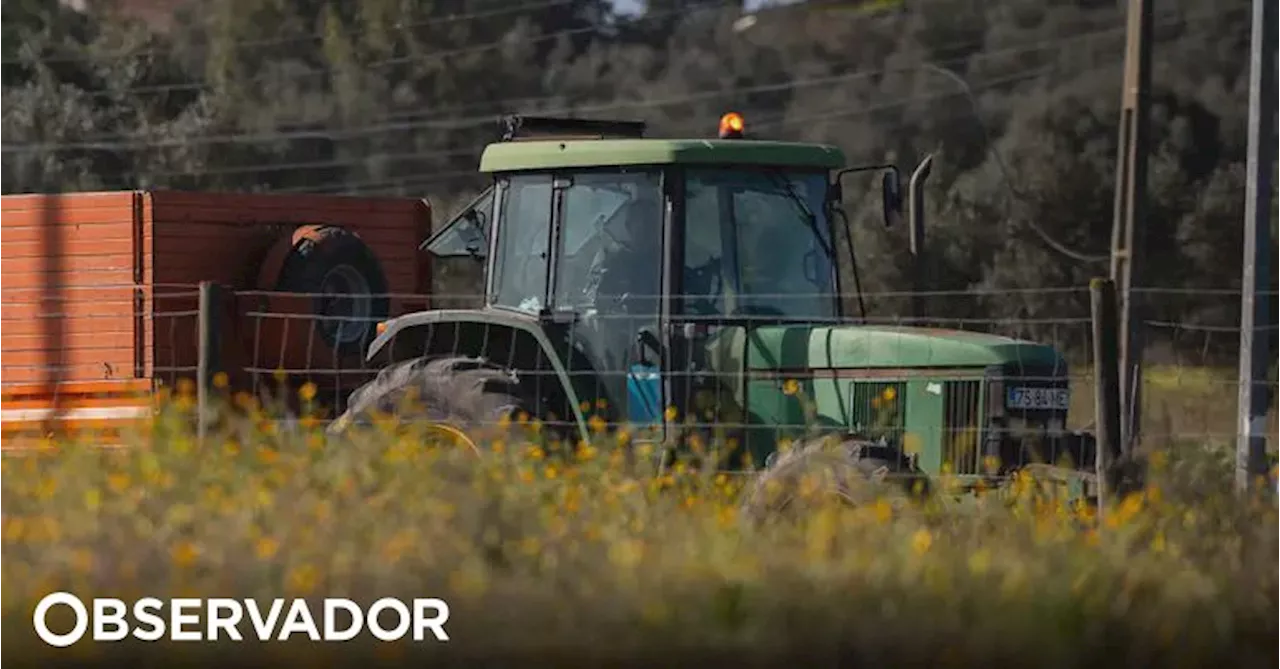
184,554
118,482
266,548
921,541
303,579
883,512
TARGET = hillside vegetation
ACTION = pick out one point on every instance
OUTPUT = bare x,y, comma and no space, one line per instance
400,96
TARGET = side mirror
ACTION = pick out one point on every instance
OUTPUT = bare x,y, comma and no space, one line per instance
890,189
891,194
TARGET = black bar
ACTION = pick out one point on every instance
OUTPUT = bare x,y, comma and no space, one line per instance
522,127
1106,396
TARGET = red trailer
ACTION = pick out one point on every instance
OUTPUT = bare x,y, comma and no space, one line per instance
99,293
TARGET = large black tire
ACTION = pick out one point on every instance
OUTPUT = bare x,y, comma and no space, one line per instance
469,394
852,471
327,259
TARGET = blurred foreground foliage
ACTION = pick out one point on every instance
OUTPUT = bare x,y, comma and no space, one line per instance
591,553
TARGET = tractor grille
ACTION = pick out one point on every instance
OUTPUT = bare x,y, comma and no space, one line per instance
962,423
877,409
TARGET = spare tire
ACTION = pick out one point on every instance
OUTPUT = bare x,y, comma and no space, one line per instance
333,262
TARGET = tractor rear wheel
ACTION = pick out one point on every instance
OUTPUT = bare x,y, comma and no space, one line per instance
460,398
828,467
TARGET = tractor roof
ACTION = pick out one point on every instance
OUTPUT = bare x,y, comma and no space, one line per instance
578,153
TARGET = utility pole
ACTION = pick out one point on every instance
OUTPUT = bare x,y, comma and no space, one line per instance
1127,232
1255,307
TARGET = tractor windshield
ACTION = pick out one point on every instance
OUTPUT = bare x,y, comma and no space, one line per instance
757,244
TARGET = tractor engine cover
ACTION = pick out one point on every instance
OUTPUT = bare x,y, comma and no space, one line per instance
339,293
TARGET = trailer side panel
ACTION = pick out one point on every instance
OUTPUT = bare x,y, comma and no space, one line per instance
67,271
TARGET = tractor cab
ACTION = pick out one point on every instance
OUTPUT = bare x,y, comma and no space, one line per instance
630,243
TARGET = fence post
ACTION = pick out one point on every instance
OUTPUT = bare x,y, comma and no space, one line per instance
1106,391
208,364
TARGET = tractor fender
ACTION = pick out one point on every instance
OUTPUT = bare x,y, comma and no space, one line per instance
517,321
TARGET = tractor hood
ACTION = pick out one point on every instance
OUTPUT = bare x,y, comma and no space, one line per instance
800,347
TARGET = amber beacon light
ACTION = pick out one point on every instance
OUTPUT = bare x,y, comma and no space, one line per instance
731,126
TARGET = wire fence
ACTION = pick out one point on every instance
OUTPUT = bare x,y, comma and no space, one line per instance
926,373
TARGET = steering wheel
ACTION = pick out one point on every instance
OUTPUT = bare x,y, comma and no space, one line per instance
706,282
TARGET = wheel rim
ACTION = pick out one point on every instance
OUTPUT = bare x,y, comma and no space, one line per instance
347,319
454,435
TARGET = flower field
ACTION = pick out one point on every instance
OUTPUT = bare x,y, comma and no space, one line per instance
590,556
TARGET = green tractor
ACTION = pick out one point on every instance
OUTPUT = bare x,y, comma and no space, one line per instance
690,287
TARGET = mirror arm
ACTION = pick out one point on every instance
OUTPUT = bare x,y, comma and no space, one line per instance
837,188
867,168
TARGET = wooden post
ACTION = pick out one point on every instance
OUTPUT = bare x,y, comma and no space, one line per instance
1128,232
1106,395
208,365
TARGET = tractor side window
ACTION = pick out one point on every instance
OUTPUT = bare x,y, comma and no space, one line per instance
520,273
466,235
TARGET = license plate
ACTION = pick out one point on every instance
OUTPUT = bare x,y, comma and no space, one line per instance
1038,398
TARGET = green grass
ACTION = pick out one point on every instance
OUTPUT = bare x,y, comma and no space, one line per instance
594,553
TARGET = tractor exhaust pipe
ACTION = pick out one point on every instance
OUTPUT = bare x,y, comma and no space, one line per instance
915,217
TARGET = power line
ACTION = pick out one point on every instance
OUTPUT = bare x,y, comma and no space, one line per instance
413,155
1014,194
437,113
461,123
428,177
441,176
248,45
200,86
